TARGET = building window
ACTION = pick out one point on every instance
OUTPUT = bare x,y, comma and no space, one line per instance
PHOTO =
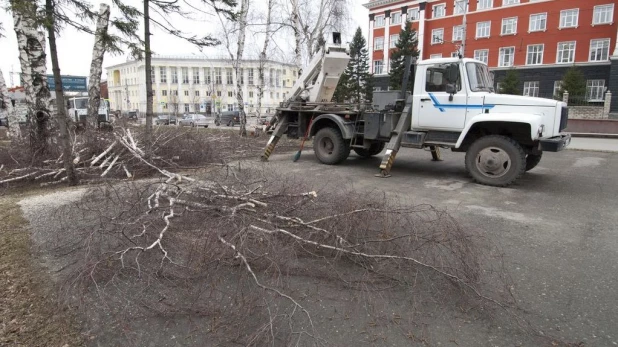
485,4
461,7
595,90
186,93
271,76
250,77
531,89
509,26
378,43
458,33
218,93
599,50
566,52
413,14
152,75
378,66
506,56
174,92
603,14
229,77
392,43
535,55
278,79
197,93
437,36
538,22
483,29
164,92
250,94
435,56
482,55
230,107
395,18
569,18
557,87
218,78
186,108
185,75
509,2
379,21
439,11
241,73
174,75
207,76
230,94
196,75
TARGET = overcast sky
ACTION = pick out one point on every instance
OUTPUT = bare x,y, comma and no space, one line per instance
75,48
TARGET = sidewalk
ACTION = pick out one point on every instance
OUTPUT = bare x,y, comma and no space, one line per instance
594,144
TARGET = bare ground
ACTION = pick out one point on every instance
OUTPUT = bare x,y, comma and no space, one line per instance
29,312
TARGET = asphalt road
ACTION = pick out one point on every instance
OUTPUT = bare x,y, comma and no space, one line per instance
557,226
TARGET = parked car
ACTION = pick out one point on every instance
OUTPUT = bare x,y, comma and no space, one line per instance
228,118
165,120
194,120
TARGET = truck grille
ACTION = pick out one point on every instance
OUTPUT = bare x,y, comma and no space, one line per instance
564,117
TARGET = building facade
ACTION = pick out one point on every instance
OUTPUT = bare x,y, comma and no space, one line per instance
191,85
539,38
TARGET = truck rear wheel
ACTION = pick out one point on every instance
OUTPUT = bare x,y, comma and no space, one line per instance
532,160
495,160
374,149
329,146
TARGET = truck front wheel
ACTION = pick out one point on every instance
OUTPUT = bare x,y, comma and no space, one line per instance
374,149
329,146
532,160
495,160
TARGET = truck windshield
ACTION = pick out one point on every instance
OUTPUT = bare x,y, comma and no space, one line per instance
479,77
81,103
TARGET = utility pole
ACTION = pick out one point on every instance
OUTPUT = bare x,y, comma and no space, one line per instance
462,49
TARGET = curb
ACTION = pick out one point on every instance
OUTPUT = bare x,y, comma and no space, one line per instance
595,135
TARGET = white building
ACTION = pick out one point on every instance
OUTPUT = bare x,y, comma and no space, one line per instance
195,84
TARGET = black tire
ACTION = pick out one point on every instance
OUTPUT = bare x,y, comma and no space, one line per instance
217,123
495,160
374,149
230,123
192,125
532,160
329,146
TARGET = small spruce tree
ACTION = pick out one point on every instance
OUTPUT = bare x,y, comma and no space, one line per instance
510,84
573,82
356,82
406,46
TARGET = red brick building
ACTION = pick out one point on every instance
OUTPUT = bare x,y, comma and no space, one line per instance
540,38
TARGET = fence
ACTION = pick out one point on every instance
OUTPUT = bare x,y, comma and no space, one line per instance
580,108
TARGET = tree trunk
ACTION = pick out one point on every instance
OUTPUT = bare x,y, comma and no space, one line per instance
96,66
14,130
148,67
260,86
61,115
32,61
297,33
242,25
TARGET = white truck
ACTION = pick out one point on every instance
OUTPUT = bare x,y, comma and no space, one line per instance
452,105
78,110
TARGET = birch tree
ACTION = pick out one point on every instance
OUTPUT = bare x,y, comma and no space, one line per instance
310,19
262,62
5,101
234,35
96,66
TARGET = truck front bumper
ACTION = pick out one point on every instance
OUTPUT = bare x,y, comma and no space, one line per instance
555,144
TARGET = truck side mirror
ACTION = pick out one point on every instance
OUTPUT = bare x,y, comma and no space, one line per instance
450,89
452,73
68,104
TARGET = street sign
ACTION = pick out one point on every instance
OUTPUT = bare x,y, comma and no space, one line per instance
69,83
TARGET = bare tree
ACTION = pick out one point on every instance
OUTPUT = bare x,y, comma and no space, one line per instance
96,67
7,104
263,59
234,34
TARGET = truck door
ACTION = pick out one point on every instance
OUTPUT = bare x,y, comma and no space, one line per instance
436,106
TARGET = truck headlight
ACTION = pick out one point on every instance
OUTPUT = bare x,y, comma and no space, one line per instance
541,130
